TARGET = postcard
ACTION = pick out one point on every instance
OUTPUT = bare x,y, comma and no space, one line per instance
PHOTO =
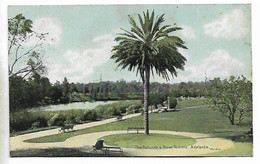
165,80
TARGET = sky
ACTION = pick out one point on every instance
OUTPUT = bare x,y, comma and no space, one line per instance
81,38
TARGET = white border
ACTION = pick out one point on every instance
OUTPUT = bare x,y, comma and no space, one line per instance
4,158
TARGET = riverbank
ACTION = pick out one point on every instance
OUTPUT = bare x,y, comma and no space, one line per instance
33,120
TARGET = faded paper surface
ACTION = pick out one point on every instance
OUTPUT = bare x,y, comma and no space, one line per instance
97,76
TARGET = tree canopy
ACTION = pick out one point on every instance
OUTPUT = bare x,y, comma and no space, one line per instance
151,46
24,58
148,48
232,97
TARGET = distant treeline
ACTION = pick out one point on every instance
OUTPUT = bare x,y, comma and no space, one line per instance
37,90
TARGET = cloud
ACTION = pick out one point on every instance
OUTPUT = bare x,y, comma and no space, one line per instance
46,25
187,33
230,26
80,64
219,64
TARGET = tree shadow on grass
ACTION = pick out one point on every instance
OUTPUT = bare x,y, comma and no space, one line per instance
86,151
240,136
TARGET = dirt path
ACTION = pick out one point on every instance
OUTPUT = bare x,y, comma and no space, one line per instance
17,141
205,144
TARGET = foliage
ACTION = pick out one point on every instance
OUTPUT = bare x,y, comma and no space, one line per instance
196,120
23,61
24,120
117,108
90,115
147,48
173,102
135,108
156,99
232,97
37,90
18,97
57,120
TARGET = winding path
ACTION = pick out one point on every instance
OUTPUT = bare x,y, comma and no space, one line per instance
205,144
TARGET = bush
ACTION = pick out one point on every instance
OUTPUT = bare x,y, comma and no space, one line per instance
173,102
21,121
70,119
112,111
90,115
156,99
41,121
57,120
65,100
36,125
133,109
116,109
25,120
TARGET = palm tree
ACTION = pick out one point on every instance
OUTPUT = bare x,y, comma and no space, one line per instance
149,48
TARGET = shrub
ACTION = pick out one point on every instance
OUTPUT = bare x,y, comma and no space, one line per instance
36,125
41,121
133,109
21,121
116,109
112,111
65,100
57,120
173,102
90,115
156,99
70,119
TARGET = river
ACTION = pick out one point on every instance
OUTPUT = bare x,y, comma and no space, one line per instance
75,105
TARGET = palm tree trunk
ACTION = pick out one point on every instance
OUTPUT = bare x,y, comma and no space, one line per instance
146,99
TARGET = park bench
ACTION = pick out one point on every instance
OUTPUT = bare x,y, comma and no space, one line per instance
134,128
66,127
106,149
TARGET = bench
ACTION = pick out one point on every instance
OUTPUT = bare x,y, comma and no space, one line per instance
66,127
106,149
134,128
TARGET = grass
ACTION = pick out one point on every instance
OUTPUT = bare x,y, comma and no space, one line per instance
13,134
239,149
198,120
188,103
153,141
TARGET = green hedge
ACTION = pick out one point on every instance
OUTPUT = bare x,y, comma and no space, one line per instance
20,121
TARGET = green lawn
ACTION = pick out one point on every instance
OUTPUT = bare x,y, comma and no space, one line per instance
239,149
198,120
152,141
188,103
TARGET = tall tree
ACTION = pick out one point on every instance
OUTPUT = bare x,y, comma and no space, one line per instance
24,59
65,87
232,97
149,48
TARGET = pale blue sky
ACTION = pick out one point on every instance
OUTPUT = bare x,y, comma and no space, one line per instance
79,45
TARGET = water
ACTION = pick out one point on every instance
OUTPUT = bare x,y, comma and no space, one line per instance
75,105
